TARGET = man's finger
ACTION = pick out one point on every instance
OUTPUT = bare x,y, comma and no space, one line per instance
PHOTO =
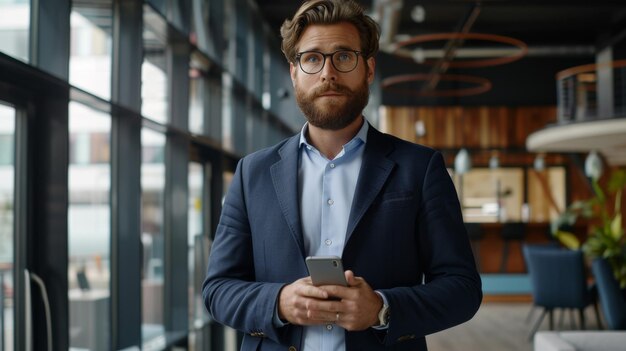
312,291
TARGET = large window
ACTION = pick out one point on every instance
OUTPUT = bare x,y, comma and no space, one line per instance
196,94
89,230
90,50
154,78
113,91
152,235
14,28
7,191
198,251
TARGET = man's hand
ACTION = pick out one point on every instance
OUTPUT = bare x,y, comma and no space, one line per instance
304,304
294,300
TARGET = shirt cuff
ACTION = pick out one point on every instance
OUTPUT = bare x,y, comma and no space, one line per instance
278,323
384,327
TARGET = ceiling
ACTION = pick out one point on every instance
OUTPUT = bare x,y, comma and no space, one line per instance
538,23
559,35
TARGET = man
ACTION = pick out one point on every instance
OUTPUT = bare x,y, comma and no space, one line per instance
387,207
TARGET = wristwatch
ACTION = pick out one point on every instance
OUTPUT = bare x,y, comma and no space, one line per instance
383,316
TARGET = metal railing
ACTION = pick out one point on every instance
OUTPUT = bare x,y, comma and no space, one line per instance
593,91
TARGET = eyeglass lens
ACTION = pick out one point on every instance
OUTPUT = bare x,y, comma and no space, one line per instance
343,61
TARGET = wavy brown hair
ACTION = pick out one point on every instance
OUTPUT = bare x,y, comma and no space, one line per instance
329,12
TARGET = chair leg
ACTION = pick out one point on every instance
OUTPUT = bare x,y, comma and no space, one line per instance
581,313
537,324
562,318
551,318
529,316
595,307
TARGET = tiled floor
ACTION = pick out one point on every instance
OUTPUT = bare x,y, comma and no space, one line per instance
499,327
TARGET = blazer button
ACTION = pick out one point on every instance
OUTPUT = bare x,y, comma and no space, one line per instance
292,348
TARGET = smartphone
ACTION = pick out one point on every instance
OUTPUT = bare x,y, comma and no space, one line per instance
326,270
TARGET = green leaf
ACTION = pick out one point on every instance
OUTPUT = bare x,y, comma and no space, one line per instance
616,227
617,181
568,239
578,205
598,190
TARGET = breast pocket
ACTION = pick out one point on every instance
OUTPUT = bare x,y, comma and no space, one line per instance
395,200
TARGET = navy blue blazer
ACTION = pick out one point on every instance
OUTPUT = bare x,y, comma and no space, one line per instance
405,237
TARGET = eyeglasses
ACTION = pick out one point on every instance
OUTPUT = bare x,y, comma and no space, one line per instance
312,62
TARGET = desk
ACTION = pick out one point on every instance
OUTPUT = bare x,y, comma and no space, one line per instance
492,243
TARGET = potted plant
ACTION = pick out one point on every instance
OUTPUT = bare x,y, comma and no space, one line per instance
606,237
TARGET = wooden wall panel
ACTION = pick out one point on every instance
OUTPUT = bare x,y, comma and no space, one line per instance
471,127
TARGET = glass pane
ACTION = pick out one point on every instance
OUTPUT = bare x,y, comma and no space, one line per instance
199,22
154,79
227,112
90,49
89,227
198,249
216,23
214,119
242,18
159,5
7,191
152,236
196,101
14,28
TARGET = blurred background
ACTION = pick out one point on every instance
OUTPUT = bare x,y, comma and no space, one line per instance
121,122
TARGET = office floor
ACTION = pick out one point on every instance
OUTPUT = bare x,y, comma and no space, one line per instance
499,326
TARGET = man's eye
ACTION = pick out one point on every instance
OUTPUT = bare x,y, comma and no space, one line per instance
343,56
311,58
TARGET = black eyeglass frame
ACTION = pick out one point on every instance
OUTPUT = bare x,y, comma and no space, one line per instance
332,61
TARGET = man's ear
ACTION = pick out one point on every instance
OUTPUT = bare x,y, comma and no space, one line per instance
292,72
371,64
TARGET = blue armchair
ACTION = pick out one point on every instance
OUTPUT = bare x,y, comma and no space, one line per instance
558,280
611,297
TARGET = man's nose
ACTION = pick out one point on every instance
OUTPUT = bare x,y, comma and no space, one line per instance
328,71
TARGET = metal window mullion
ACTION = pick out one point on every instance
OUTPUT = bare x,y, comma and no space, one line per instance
126,174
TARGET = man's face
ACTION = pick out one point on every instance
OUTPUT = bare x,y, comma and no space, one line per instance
331,99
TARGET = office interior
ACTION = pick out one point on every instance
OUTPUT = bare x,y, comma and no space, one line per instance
122,121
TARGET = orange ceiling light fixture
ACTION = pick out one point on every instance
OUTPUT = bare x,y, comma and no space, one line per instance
487,62
481,85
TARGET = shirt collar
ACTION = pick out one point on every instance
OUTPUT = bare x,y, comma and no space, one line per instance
360,135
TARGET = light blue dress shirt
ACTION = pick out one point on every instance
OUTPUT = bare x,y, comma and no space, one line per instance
326,189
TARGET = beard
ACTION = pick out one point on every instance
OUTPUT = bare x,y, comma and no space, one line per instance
333,114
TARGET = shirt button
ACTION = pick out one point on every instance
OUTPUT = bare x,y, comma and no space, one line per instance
331,202
329,327
308,148
328,242
332,165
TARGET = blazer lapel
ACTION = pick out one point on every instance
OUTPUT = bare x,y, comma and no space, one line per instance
285,182
375,170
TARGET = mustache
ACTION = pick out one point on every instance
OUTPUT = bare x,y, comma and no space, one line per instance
327,87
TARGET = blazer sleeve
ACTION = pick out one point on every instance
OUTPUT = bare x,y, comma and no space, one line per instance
230,292
451,293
